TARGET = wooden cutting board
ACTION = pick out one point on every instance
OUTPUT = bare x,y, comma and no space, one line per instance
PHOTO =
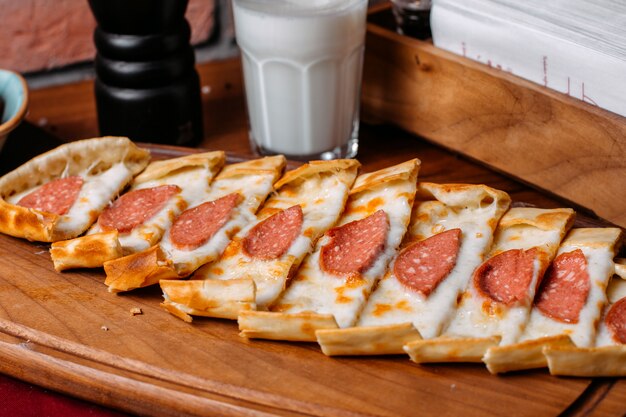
67,333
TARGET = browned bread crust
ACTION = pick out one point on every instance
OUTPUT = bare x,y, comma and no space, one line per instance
89,155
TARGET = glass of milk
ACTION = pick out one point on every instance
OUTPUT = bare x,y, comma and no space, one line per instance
302,64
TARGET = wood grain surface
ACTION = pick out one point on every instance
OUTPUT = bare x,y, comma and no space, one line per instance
66,332
207,359
613,403
541,136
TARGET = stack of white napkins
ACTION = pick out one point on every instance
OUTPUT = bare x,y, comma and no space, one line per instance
576,47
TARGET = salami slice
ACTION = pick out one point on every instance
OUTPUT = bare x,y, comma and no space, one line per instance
272,237
195,226
616,320
505,277
564,290
56,196
135,207
424,264
354,247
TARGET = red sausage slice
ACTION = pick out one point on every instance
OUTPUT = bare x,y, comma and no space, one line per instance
616,320
135,207
194,227
423,265
505,278
272,237
355,246
564,290
56,196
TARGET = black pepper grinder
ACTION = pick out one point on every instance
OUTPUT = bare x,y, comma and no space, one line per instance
146,85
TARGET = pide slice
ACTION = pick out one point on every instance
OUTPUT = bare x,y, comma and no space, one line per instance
309,267
59,194
335,281
498,298
607,356
451,229
191,174
307,202
569,301
141,216
200,233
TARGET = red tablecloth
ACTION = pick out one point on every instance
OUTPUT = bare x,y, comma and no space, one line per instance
19,399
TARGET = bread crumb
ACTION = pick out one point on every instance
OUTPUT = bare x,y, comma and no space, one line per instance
105,328
135,311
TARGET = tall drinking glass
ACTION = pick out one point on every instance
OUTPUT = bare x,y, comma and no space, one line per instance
302,64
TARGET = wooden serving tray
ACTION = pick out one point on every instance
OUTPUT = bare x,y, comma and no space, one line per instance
540,136
65,332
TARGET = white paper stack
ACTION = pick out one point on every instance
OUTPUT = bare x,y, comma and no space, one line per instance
576,47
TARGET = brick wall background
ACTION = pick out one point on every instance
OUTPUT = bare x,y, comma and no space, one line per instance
38,35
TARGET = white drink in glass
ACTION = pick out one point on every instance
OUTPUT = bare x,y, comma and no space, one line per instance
302,63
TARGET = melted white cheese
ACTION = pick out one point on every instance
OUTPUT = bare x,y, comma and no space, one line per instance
600,268
317,291
322,200
604,336
615,292
253,188
473,318
393,303
195,183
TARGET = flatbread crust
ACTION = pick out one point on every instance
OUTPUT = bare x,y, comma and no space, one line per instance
310,186
137,270
209,298
605,361
89,156
99,247
375,340
343,169
212,161
407,170
449,349
296,327
524,355
90,251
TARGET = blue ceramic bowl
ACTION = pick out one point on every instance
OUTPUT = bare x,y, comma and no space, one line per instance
13,102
